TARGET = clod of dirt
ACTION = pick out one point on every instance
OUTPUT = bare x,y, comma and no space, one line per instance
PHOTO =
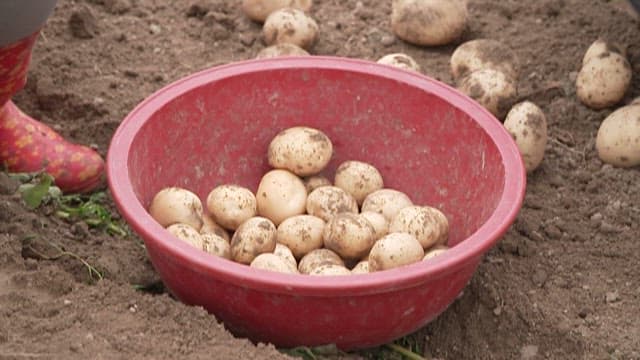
198,9
83,24
8,185
611,297
117,6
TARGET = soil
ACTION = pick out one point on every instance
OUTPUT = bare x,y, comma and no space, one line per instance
564,283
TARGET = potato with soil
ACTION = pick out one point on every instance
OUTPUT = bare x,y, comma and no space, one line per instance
379,222
361,268
231,205
302,234
327,201
290,25
483,54
330,270
285,254
302,150
358,178
601,47
603,81
527,124
315,181
317,258
211,227
174,205
271,262
618,138
350,235
400,60
280,195
494,90
252,238
427,224
429,22
216,245
187,234
280,50
395,250
259,10
386,202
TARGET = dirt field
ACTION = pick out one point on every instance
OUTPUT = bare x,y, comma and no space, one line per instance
564,283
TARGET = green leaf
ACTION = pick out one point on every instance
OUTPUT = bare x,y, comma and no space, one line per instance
34,195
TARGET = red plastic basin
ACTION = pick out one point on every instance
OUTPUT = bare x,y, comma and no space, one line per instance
427,139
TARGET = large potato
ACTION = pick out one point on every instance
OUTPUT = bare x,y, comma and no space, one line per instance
494,90
231,205
603,80
483,54
302,234
429,22
302,150
386,202
327,201
174,205
280,195
252,238
349,235
618,139
427,224
528,126
290,25
395,250
259,10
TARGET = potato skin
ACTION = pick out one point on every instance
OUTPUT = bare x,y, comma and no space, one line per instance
395,250
603,80
290,25
494,90
618,138
527,124
252,238
481,54
429,22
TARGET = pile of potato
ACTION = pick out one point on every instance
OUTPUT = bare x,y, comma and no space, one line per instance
300,222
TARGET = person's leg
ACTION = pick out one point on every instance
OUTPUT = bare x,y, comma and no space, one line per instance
27,145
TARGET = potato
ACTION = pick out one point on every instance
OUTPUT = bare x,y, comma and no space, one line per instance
278,50
231,205
302,234
361,268
494,90
280,195
210,227
259,10
290,25
327,201
379,222
349,235
427,224
395,250
603,80
386,202
215,245
186,233
330,270
600,47
317,258
618,138
316,181
174,205
483,54
271,262
433,252
429,22
528,126
302,150
252,238
400,60
358,178
285,253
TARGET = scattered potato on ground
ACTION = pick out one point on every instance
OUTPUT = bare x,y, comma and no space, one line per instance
603,80
358,178
259,10
210,227
301,234
252,238
527,124
290,25
379,222
315,181
395,250
278,50
281,194
317,258
601,47
215,245
285,253
302,150
435,251
400,60
429,22
330,270
186,233
427,224
618,138
361,268
494,90
481,54
231,205
386,202
349,235
327,201
271,262
174,205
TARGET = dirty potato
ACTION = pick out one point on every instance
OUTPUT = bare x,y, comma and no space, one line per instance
290,25
271,262
483,54
279,50
427,224
174,205
358,178
395,250
317,258
349,235
492,89
259,10
386,202
302,234
527,125
231,205
400,60
429,22
618,138
302,150
252,238
327,201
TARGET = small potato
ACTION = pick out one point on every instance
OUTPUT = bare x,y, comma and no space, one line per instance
290,25
271,262
330,270
483,54
252,238
259,10
285,253
317,258
349,235
603,80
280,195
316,181
231,205
302,150
361,268
618,139
216,245
528,126
601,47
174,205
427,224
210,227
386,202
395,250
187,234
379,222
429,22
302,234
400,60
327,201
279,50
358,178
433,252
494,90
